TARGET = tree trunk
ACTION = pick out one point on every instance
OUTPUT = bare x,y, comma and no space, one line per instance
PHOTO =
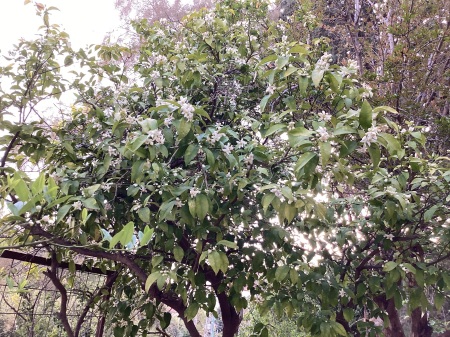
230,318
419,324
395,328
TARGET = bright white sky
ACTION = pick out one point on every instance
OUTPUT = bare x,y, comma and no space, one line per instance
86,21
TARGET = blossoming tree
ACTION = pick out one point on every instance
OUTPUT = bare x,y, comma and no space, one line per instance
239,165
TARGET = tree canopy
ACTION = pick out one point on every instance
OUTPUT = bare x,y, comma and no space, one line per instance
232,163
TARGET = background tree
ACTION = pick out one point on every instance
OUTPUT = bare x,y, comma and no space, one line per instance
402,51
235,157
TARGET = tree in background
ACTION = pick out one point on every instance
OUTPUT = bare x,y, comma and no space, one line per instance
153,10
234,158
402,50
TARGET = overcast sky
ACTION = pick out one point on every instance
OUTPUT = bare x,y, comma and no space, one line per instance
86,21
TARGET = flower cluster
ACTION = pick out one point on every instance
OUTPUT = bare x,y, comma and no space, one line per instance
370,137
155,137
249,159
324,62
367,93
193,192
323,134
271,89
187,109
228,148
214,136
323,116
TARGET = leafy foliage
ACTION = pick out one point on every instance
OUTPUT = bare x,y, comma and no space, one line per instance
237,158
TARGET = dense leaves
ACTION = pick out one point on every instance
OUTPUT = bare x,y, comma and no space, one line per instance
235,158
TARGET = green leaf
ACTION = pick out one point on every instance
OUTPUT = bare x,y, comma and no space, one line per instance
202,112
263,103
228,244
218,261
365,115
178,253
90,203
68,60
137,142
21,188
349,314
300,132
62,212
148,232
282,61
344,130
317,76
439,300
209,157
201,206
183,128
304,159
339,329
38,185
303,83
273,129
192,207
156,260
149,124
391,265
325,152
385,108
124,236
298,49
151,279
392,144
409,267
224,263
165,210
290,71
281,273
191,311
428,215
375,154
267,200
268,59
144,214
190,153
214,261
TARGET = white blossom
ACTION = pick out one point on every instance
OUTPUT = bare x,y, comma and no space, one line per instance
187,109
168,120
178,202
367,91
194,191
323,134
228,148
271,89
370,137
323,116
77,205
389,236
106,186
324,62
155,137
249,159
214,137
241,143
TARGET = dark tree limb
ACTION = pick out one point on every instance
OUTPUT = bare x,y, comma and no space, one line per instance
168,298
110,279
51,274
